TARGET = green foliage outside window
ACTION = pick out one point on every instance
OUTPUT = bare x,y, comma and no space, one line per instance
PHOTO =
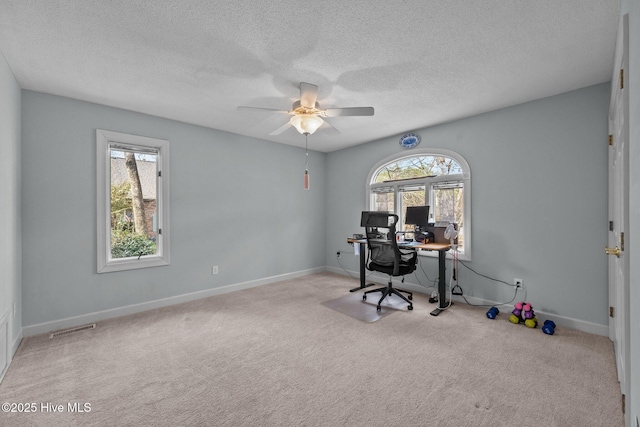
128,244
125,242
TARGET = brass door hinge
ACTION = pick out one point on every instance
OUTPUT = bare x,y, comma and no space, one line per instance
622,241
610,139
611,311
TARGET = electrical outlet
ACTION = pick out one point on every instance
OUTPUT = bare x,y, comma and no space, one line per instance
518,283
214,270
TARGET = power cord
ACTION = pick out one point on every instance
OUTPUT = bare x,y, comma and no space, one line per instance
515,294
344,269
426,275
342,266
486,277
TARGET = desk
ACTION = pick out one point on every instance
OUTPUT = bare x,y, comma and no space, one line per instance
442,249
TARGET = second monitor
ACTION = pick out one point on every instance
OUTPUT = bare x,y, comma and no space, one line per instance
417,215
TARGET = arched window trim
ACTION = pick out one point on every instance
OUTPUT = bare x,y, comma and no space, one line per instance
465,177
424,152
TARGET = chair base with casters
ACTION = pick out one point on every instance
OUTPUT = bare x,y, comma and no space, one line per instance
390,290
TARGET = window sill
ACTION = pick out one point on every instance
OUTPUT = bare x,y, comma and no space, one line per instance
132,264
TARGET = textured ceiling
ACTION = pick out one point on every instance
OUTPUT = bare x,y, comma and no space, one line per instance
417,62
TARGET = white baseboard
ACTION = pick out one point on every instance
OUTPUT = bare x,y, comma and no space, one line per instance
5,356
566,322
16,344
8,350
71,322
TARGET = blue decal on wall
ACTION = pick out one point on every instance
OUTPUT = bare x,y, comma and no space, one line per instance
409,140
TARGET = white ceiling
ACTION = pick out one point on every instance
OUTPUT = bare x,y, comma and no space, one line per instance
417,62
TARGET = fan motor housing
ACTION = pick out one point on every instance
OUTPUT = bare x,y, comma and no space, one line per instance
298,108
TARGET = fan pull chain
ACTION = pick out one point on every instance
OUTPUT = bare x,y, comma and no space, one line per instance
306,164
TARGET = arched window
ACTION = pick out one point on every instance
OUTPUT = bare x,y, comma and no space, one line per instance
435,177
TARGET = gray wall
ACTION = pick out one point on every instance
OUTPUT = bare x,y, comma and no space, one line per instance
236,202
539,200
10,238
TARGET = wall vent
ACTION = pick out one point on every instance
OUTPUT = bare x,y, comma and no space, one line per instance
72,330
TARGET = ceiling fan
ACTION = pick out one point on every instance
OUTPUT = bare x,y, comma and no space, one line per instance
307,114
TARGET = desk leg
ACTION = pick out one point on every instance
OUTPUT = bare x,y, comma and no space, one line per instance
442,283
363,273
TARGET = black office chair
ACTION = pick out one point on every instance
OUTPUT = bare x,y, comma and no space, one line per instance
385,256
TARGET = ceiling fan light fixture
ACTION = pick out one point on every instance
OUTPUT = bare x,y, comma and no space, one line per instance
306,123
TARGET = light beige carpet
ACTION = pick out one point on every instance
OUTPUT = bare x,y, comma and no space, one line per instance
275,356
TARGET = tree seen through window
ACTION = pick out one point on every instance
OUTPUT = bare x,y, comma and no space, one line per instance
133,203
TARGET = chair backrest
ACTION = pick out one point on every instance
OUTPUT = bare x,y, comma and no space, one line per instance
383,248
380,229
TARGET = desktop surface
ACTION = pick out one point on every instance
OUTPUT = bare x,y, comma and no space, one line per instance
417,245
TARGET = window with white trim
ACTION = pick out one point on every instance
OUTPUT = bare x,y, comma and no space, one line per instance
132,201
435,177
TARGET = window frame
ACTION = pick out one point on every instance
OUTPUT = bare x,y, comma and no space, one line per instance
105,263
428,182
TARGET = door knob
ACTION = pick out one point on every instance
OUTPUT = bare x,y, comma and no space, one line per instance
613,251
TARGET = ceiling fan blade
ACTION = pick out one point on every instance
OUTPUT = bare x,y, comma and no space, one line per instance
308,95
329,129
351,111
272,110
281,129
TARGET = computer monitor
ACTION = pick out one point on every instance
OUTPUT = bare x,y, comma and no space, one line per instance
417,215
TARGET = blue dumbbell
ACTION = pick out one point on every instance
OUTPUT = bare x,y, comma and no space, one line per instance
493,312
549,327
